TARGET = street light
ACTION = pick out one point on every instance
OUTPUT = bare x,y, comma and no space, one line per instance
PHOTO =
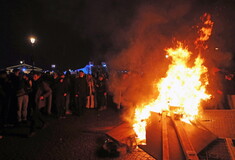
32,41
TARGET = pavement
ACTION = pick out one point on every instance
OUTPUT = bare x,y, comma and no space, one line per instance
72,138
219,122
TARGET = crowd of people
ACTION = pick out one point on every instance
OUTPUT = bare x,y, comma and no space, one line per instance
25,97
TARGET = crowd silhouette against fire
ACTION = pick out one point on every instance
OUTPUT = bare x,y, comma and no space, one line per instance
28,98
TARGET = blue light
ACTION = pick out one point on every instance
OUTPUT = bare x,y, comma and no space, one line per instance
91,64
104,64
23,69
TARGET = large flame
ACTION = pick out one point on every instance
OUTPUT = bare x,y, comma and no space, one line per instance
183,88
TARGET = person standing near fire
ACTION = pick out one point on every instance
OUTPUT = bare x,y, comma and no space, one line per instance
81,92
67,80
220,92
230,89
101,93
91,89
40,92
60,92
5,100
25,86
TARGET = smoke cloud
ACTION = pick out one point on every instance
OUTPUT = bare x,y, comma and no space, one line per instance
140,60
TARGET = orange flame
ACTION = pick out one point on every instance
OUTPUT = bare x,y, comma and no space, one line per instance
205,31
183,88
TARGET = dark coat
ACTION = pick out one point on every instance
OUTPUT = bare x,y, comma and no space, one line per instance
24,88
41,88
101,86
81,87
60,88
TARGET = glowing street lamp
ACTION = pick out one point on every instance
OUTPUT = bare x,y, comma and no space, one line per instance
32,41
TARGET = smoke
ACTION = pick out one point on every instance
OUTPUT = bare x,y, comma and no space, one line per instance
141,63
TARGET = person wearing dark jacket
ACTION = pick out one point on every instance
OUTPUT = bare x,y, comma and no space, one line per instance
81,92
67,80
40,91
230,90
101,93
15,83
60,92
5,99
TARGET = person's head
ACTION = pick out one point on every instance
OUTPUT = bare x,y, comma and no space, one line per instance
3,74
36,76
101,77
48,73
62,76
68,73
81,73
89,76
61,80
25,76
55,75
16,71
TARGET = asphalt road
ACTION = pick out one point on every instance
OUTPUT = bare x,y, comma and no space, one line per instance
72,138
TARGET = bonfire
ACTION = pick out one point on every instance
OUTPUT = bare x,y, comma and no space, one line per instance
184,87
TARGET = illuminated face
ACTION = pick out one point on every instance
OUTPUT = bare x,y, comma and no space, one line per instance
55,75
62,76
36,77
101,78
81,74
17,73
89,76
25,77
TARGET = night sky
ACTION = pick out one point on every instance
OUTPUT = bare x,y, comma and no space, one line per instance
70,33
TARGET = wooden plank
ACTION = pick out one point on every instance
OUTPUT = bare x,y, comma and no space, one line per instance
188,149
231,148
165,141
154,138
121,132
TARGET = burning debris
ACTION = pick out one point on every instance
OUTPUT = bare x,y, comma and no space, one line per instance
174,86
124,137
184,86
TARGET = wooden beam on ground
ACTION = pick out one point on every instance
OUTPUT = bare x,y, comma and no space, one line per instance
188,149
231,148
122,132
165,141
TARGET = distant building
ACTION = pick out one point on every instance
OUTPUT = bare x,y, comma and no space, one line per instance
93,69
26,68
87,69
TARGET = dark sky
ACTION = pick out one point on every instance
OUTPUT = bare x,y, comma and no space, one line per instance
72,32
